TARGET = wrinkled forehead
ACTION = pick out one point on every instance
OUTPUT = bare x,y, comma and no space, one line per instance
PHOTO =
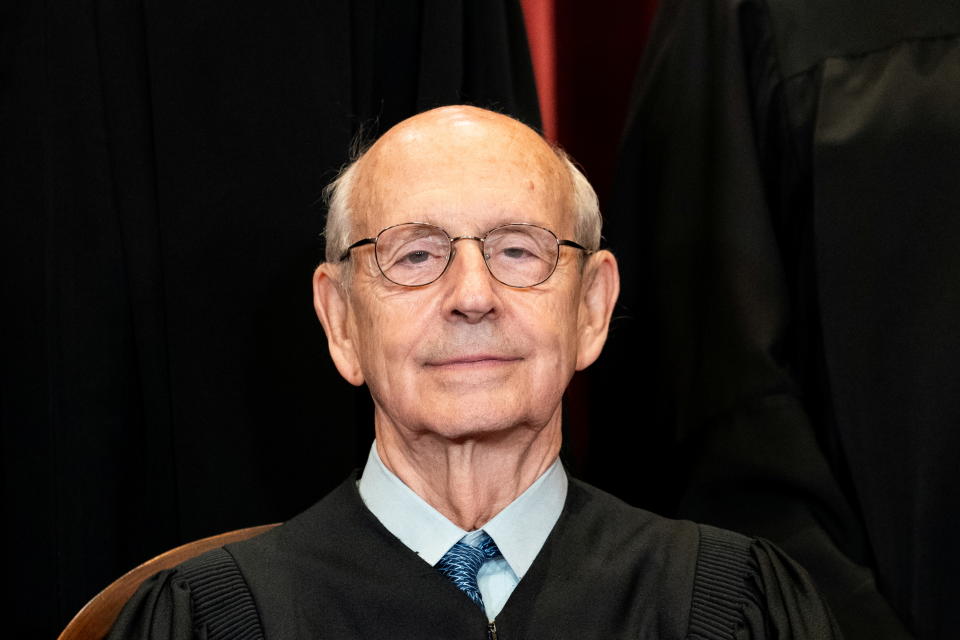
464,171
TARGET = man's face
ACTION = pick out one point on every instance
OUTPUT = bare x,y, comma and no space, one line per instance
466,354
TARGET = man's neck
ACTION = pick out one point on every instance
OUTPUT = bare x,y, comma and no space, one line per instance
469,480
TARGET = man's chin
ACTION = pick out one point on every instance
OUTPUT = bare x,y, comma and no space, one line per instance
467,431
469,419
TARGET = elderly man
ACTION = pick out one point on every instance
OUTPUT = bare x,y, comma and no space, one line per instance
464,286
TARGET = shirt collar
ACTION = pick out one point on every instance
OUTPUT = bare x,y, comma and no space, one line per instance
519,530
523,526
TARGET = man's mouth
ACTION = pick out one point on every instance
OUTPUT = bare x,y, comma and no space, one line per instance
472,360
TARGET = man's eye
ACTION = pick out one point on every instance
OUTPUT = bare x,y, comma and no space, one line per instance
415,257
516,253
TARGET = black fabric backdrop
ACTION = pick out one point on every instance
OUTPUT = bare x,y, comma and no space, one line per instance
163,375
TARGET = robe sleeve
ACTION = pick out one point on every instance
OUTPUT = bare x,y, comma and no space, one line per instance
788,605
747,589
712,185
205,597
159,610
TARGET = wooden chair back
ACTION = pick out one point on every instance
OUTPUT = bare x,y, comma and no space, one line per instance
94,621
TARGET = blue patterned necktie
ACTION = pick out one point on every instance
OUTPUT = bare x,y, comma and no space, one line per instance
462,562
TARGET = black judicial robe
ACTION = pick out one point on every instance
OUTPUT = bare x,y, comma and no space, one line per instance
788,206
607,570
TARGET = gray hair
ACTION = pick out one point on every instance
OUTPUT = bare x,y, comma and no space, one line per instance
339,197
586,205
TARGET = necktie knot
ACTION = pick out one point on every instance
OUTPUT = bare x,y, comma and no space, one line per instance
463,561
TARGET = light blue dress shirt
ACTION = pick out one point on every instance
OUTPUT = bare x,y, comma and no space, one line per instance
519,530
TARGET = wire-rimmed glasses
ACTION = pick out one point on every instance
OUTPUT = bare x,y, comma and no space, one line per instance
415,254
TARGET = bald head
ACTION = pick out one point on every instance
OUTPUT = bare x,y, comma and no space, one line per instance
444,148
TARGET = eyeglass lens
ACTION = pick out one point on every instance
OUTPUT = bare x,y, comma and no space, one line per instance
517,255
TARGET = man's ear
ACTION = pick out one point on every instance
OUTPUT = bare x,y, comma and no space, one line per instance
333,310
598,295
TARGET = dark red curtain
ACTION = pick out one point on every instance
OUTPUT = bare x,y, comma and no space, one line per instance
585,61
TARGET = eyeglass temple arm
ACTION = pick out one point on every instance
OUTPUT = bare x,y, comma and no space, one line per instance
571,243
358,243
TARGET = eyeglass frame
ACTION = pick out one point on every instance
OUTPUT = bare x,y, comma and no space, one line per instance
453,239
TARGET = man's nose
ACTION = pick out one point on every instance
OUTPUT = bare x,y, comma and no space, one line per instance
473,292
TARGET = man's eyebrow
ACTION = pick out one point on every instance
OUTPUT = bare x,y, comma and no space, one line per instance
443,221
